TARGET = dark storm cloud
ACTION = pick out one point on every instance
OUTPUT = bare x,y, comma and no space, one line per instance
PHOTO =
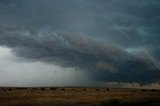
45,29
83,52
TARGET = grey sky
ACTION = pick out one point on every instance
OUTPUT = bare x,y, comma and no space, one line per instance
14,72
99,40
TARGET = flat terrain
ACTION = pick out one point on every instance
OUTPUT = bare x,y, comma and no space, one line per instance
77,96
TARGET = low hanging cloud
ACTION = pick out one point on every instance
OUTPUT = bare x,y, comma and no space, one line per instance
104,62
109,40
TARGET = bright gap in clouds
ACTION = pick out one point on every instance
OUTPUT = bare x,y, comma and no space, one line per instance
134,50
15,72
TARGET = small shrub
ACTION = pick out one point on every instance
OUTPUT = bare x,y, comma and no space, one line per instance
53,88
42,89
9,89
107,89
63,89
97,89
72,89
153,90
144,90
35,88
21,88
83,89
112,102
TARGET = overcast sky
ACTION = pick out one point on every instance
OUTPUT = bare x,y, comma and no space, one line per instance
79,42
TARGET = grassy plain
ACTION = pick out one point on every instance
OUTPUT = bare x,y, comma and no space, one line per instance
77,96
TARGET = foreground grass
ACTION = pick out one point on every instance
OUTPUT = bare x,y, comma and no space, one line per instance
73,96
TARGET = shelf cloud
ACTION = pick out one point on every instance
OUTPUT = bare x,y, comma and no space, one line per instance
109,40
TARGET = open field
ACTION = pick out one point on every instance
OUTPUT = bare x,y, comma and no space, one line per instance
77,96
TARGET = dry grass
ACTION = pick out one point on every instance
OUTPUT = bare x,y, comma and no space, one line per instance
76,96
